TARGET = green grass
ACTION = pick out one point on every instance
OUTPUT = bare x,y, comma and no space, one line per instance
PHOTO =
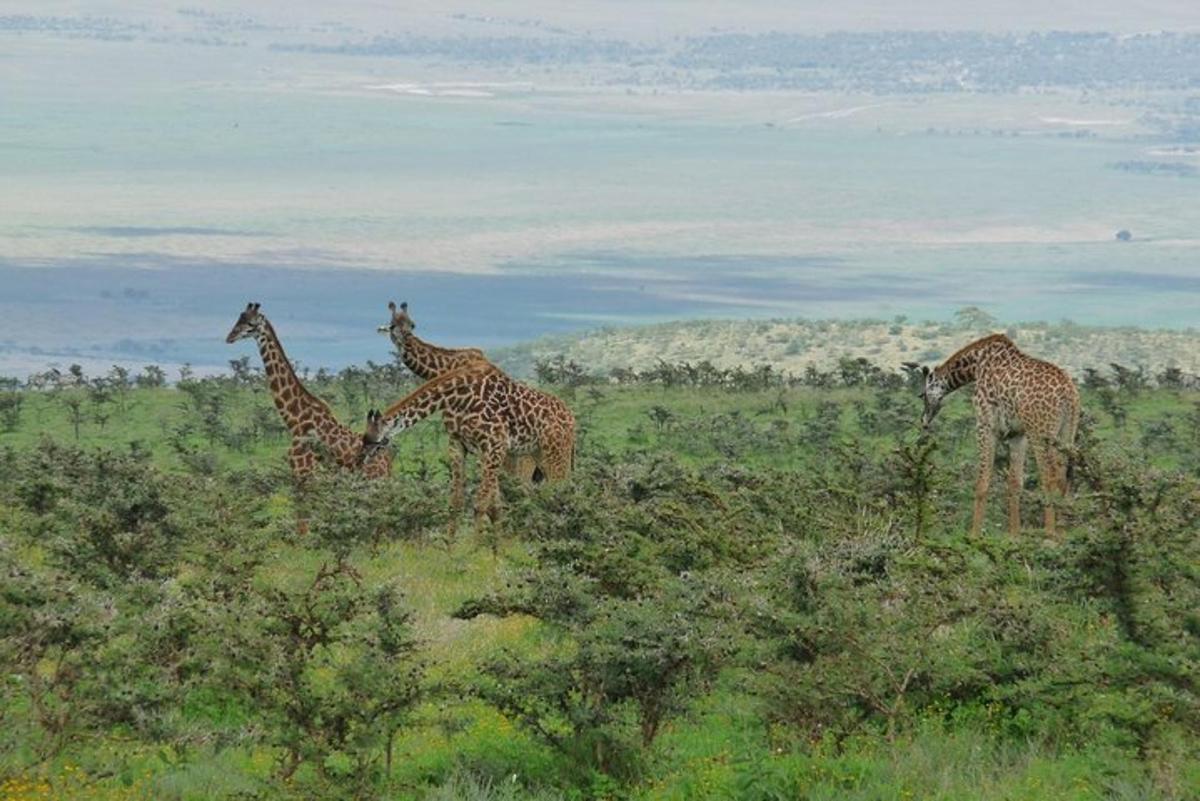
456,747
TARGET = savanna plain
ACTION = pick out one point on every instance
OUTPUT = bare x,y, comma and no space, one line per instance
756,584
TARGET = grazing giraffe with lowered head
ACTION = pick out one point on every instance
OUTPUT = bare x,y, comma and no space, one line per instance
487,413
307,417
1030,400
428,361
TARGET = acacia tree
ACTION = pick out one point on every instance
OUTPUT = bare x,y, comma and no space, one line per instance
330,665
75,412
628,568
119,382
151,377
10,410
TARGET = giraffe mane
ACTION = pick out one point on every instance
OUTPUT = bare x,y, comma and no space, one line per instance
982,341
305,392
432,384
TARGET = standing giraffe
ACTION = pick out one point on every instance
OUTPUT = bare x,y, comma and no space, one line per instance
428,361
308,418
1025,398
487,413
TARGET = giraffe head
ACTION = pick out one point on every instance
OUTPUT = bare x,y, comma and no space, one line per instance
933,392
374,439
401,324
248,324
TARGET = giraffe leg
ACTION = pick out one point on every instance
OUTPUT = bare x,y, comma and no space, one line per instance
487,501
1017,451
1061,458
987,454
521,465
303,461
458,460
1048,472
556,458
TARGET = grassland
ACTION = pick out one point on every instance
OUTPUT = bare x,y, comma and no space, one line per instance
1051,679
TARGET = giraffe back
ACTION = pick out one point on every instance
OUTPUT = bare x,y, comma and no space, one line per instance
486,410
1028,393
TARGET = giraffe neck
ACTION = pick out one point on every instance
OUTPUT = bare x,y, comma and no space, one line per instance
968,364
414,408
424,359
290,396
430,397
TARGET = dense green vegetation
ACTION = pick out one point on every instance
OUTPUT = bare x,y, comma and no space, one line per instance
754,586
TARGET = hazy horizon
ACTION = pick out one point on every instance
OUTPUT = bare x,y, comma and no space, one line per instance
666,18
542,168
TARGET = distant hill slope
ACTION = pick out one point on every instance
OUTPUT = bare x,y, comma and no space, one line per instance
794,344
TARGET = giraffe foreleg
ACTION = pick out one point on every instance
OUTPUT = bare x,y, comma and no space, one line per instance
986,436
458,492
303,461
487,500
1017,451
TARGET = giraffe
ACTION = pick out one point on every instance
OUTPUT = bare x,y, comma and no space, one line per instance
1032,401
307,417
487,413
428,361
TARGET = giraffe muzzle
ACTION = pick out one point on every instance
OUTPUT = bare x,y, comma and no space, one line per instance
370,447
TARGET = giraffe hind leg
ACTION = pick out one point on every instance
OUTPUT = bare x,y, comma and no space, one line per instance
523,466
1048,473
558,456
1017,452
